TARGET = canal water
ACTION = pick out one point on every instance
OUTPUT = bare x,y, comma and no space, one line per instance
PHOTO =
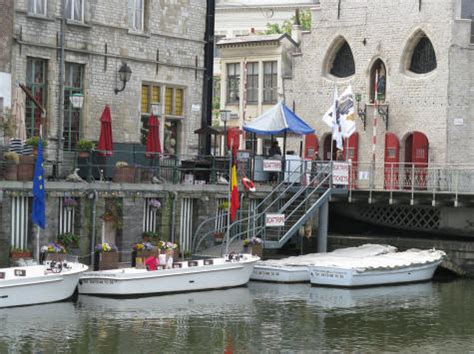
262,317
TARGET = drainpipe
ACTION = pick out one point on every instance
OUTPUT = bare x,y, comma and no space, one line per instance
94,212
61,93
173,216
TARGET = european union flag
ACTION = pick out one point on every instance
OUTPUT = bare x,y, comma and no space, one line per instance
39,197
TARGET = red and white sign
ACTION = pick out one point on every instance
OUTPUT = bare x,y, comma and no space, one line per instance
340,173
274,220
272,165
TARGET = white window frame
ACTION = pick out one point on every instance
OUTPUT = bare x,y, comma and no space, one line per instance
132,11
70,15
33,3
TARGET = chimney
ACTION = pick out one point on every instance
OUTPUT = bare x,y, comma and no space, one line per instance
296,28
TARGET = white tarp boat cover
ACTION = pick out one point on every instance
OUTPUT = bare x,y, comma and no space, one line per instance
365,250
412,257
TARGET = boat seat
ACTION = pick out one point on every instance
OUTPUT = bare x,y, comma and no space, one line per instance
192,263
208,262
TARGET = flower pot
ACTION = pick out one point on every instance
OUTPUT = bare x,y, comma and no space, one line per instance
84,154
57,257
26,168
10,171
125,174
256,250
106,260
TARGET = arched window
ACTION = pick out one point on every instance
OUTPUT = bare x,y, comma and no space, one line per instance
423,58
343,63
379,73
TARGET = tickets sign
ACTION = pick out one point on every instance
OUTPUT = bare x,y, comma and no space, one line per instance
272,165
340,173
274,220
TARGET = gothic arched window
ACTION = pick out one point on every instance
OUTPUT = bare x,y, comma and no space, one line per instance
423,58
343,63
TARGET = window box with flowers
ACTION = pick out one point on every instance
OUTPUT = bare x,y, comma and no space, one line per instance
106,256
17,253
123,173
70,203
253,246
141,251
54,252
169,253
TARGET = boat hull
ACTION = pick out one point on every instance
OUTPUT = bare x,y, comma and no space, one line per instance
292,274
342,277
137,282
40,289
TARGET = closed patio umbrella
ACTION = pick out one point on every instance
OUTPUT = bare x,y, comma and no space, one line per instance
105,145
153,145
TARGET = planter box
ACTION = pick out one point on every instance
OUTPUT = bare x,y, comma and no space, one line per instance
57,257
106,260
256,250
26,168
10,171
124,174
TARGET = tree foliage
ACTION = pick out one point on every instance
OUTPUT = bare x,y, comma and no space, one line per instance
285,27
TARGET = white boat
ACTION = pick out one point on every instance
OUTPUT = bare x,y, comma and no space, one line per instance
395,268
295,269
195,275
38,284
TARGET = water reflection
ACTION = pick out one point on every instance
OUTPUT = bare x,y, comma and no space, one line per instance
262,317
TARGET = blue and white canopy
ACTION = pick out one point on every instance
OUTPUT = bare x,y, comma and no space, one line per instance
277,120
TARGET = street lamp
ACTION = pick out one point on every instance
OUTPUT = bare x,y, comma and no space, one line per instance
77,100
124,75
225,116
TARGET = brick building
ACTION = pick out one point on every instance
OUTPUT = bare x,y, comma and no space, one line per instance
425,52
161,42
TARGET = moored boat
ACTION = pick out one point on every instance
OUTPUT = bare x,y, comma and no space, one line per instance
38,284
395,268
295,269
194,275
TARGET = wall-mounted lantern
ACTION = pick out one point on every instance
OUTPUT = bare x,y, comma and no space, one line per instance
124,75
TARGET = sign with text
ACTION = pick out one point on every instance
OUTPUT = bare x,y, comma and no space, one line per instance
274,220
272,165
340,173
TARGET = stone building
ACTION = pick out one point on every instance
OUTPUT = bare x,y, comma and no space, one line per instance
162,43
252,69
424,53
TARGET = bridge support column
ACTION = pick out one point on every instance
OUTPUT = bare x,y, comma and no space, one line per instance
323,227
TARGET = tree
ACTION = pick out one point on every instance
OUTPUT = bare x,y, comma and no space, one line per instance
285,27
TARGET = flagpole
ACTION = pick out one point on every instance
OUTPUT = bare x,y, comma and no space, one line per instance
227,233
37,244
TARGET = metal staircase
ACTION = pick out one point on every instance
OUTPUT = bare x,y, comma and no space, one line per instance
297,201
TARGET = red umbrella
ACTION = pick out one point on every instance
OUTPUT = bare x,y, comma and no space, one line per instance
105,146
153,146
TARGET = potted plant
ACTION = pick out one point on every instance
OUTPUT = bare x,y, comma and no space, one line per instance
219,236
17,253
141,251
123,173
255,246
33,142
155,204
84,147
54,252
106,256
150,236
12,159
113,213
69,240
224,205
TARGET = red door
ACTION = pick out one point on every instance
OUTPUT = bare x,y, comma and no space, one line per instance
392,159
310,146
416,157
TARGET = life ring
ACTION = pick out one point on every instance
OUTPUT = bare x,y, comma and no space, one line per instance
248,184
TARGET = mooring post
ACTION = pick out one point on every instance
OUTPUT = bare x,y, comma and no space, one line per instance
323,228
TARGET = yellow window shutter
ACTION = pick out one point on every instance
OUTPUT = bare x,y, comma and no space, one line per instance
145,95
179,102
169,101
